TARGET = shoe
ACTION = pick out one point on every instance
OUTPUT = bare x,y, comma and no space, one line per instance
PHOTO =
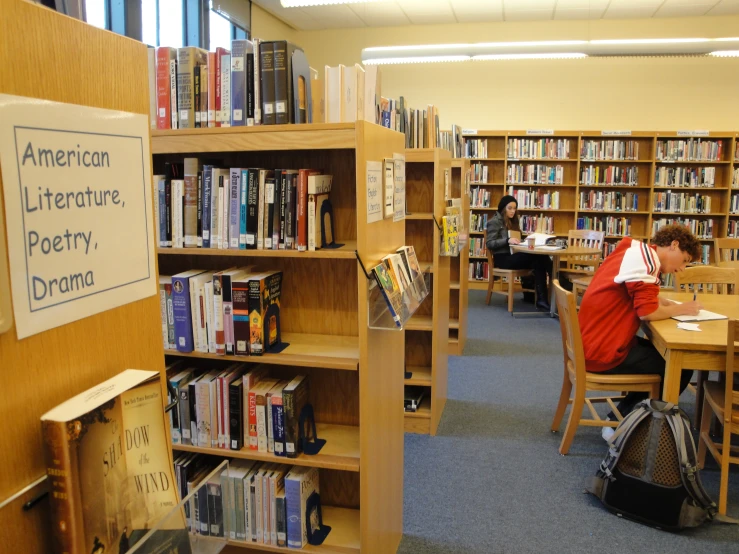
607,433
543,305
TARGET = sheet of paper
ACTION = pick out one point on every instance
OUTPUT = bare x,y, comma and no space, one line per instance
703,315
689,326
540,239
374,191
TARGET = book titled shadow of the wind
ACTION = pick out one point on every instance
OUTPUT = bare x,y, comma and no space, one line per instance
110,476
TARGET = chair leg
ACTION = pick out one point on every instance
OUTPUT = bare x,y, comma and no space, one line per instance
701,377
724,482
510,294
490,293
573,421
564,398
707,412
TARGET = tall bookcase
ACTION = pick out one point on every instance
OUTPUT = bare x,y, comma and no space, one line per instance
459,265
427,332
355,372
643,171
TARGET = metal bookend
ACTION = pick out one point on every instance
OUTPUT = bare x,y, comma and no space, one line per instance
311,443
316,530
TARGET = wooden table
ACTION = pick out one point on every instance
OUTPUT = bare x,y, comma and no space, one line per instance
703,351
556,256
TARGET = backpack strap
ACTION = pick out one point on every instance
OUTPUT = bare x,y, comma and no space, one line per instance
688,467
619,438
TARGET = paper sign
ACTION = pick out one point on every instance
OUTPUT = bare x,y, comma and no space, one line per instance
399,189
374,191
695,133
616,133
539,131
469,131
78,206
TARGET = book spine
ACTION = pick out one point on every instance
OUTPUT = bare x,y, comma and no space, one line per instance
301,217
266,53
278,424
196,93
281,519
249,83
182,314
202,406
164,114
252,209
211,89
162,206
228,509
184,407
311,210
173,108
239,515
294,521
242,208
269,214
288,403
256,341
194,414
215,230
168,211
226,89
275,229
185,92
234,208
257,81
240,299
65,503
163,314
191,203
279,61
213,396
204,89
228,319
207,194
260,209
290,212
171,341
215,509
238,82
200,210
203,510
261,409
219,85
236,403
253,437
270,426
224,208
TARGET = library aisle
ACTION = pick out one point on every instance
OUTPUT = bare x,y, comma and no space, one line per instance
491,480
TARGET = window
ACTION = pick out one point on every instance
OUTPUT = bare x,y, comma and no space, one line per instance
95,13
149,22
170,23
221,32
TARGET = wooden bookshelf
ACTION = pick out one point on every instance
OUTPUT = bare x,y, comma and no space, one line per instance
645,170
355,373
427,332
459,265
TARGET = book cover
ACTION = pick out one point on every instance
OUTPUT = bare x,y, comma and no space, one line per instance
300,483
301,217
183,321
108,464
166,63
390,291
264,312
294,398
267,68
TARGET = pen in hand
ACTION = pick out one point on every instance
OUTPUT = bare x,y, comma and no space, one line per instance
695,297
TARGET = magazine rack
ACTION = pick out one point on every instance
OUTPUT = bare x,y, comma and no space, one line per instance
378,312
171,534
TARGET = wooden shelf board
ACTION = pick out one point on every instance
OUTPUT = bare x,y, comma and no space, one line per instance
613,186
454,285
584,211
345,252
558,185
341,451
585,160
314,136
421,376
675,187
549,160
720,162
560,210
478,257
714,214
483,183
477,285
486,160
428,216
419,323
343,538
453,323
426,266
305,350
423,411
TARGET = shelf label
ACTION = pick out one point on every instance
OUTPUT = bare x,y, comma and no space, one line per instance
616,133
78,203
469,131
374,192
694,133
399,187
539,131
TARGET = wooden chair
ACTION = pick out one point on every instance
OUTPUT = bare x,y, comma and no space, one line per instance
575,374
723,279
580,284
726,251
578,266
723,402
503,276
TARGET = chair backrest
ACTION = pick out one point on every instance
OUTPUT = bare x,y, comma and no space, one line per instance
726,250
587,239
725,280
574,356
488,253
732,394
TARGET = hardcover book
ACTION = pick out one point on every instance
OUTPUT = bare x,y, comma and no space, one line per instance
109,468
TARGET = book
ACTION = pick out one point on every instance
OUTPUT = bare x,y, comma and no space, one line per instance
264,312
390,291
300,483
108,465
294,398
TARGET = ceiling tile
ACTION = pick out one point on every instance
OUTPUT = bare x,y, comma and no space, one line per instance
594,5
470,11
725,7
380,14
562,14
427,12
334,16
629,13
529,15
683,11
528,5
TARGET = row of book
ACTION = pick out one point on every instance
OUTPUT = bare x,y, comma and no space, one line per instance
609,176
535,174
420,127
479,173
535,198
533,149
451,227
592,150
452,140
477,248
733,229
256,82
352,93
685,176
478,222
235,407
206,206
476,148
250,502
735,178
478,271
694,149
480,197
610,201
231,312
701,228
611,226
400,279
537,224
683,202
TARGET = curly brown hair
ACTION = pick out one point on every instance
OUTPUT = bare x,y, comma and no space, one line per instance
686,240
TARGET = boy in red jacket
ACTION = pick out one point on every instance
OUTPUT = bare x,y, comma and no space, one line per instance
624,292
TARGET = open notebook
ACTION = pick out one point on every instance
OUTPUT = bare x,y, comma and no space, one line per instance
703,315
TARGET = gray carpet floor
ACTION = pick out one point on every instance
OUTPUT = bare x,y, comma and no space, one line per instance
492,480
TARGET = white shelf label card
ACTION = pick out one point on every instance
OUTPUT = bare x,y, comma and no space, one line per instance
399,188
78,205
374,192
469,131
617,133
694,133
539,131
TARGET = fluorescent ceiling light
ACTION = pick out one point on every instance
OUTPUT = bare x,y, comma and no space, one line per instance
565,55
649,41
726,53
307,3
415,59
476,45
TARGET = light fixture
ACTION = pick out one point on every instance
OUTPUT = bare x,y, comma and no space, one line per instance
726,53
308,3
539,56
551,49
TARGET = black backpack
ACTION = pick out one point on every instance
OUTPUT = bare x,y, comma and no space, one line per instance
650,473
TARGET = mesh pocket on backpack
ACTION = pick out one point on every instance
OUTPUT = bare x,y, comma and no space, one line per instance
667,466
633,460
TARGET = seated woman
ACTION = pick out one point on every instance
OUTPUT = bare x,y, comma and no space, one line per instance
498,242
